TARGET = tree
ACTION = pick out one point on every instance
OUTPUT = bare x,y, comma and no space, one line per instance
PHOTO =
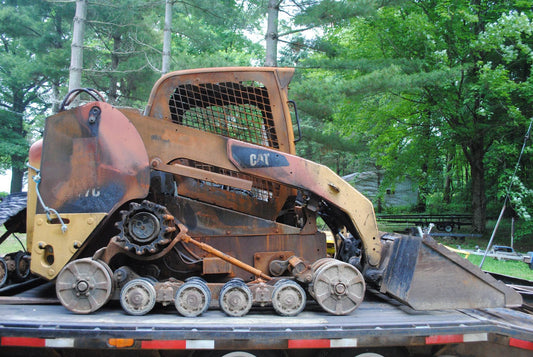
32,54
124,42
119,54
302,16
318,91
437,75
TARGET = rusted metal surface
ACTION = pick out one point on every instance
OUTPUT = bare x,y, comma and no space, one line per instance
338,287
92,166
204,219
324,183
262,260
84,285
248,104
242,236
216,266
221,100
117,245
238,263
199,174
427,276
176,144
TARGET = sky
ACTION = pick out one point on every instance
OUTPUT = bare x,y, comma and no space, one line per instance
5,181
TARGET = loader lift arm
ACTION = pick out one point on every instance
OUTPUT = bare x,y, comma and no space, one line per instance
318,179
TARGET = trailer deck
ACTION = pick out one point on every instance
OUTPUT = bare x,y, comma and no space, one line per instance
377,322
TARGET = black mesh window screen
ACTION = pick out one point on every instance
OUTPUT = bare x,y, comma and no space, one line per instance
237,110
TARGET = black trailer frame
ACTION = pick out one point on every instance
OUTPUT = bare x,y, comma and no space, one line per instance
376,323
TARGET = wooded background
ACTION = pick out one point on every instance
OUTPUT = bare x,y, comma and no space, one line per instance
438,92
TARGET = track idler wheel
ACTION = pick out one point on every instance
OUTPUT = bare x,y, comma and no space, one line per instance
235,298
22,266
288,298
338,287
84,285
193,297
138,296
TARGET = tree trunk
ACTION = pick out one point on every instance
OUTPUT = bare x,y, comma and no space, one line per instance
380,199
475,153
115,60
76,55
17,173
18,162
448,181
447,189
56,100
272,33
165,66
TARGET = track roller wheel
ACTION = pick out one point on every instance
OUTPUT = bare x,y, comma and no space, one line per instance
235,298
193,298
137,297
288,298
338,287
84,285
3,272
22,266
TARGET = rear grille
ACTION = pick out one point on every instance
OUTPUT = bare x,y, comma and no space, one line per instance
240,111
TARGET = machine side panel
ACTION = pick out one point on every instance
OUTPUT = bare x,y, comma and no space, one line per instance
93,161
92,167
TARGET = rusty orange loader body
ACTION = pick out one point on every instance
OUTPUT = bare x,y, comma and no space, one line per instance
201,202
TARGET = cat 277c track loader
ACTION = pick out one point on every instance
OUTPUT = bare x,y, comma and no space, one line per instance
200,201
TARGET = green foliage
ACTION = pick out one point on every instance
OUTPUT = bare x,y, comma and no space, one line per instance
419,89
122,56
436,88
523,232
123,43
326,12
32,59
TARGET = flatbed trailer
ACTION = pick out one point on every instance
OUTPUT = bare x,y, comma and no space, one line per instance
380,326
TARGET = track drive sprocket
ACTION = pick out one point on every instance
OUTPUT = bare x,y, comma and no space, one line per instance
146,227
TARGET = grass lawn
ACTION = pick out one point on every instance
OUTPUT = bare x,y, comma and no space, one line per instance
511,268
506,267
11,244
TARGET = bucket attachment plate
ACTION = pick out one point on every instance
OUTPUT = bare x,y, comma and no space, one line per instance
427,276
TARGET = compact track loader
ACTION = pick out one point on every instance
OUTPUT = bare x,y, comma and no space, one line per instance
201,202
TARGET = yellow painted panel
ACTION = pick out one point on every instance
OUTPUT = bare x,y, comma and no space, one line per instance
52,249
